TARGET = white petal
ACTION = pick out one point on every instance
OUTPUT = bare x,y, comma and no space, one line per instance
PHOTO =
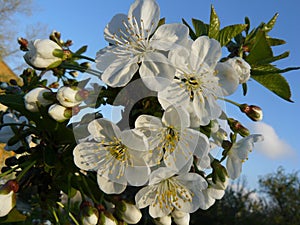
205,50
228,78
105,57
156,71
110,187
134,140
6,203
169,36
179,159
137,175
115,28
246,144
158,211
160,174
148,122
215,193
145,196
175,94
176,117
87,156
120,72
146,14
180,58
234,167
103,129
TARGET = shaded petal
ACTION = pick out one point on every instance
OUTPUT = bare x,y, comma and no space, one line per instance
179,57
145,13
243,146
115,28
169,36
134,140
88,156
145,196
120,72
176,117
6,203
179,158
175,94
137,175
114,171
156,71
103,129
228,78
161,174
105,57
234,167
110,187
148,123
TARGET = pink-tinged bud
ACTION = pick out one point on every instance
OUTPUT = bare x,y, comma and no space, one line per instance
40,53
89,214
252,111
8,197
236,126
128,212
60,113
35,97
69,96
23,44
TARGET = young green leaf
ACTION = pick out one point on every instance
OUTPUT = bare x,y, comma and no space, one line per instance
81,50
191,32
275,83
269,26
229,32
275,41
214,25
201,28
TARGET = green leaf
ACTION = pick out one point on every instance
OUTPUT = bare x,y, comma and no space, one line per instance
214,25
229,32
201,28
269,26
191,32
275,83
274,58
270,69
275,41
81,50
162,21
247,21
260,50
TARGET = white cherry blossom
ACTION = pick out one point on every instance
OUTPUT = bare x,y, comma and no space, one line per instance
136,40
197,82
116,155
167,191
239,153
171,139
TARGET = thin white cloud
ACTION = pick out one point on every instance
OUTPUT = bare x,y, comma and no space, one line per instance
272,146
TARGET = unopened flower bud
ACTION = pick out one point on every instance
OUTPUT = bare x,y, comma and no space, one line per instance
85,65
68,43
128,212
89,214
236,126
40,53
59,112
106,218
8,197
23,44
69,96
74,73
181,218
164,220
252,111
241,67
35,97
54,85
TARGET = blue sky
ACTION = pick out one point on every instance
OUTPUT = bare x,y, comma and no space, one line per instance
84,21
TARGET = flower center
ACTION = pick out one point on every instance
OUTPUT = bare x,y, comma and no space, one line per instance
117,149
133,38
169,192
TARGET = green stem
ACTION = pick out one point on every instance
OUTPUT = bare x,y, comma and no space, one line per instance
230,101
24,171
84,57
70,214
8,172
